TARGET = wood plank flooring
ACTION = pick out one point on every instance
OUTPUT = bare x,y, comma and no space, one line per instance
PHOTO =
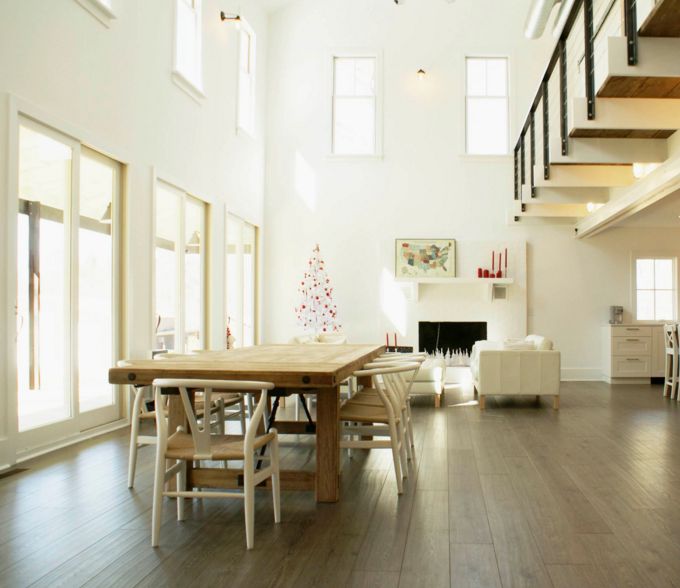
519,495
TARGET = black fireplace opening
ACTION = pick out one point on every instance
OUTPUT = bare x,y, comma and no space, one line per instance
449,337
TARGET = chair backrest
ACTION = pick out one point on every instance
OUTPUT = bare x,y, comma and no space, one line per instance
670,333
201,433
399,359
390,382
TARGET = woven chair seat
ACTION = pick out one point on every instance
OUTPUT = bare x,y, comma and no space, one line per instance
364,413
222,447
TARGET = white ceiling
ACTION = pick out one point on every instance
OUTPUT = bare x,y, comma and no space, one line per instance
663,214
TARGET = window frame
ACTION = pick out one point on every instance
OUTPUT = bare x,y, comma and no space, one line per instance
354,53
180,295
193,87
100,10
634,289
242,224
249,128
466,97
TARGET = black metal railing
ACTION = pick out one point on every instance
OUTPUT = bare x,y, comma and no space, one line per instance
559,56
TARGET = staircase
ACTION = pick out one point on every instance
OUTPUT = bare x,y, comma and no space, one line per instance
604,113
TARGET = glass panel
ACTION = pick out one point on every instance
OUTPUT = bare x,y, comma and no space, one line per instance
354,126
167,230
496,77
344,76
249,259
44,192
364,76
644,272
234,284
95,287
194,239
645,305
476,77
187,56
663,305
663,274
487,126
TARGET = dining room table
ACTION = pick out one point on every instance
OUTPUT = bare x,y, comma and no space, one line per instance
317,369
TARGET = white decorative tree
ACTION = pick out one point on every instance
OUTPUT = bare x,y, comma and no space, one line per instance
317,311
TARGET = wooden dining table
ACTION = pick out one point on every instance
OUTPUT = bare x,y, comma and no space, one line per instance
293,369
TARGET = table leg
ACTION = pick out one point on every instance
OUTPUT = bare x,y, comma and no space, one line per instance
327,445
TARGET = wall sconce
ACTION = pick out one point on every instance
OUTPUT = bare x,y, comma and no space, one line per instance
232,17
421,74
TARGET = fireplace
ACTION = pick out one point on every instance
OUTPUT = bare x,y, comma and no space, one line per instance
450,339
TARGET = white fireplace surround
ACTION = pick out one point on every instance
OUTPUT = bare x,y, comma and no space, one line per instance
402,310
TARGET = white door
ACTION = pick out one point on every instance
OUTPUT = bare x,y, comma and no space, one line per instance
67,287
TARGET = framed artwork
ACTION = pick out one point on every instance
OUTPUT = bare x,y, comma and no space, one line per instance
425,258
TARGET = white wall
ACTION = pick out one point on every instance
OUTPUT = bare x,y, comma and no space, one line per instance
423,186
112,89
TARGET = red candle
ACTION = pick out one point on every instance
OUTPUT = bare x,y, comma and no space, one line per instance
500,259
387,340
395,339
479,272
493,260
506,260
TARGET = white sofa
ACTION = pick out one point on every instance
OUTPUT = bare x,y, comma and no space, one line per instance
430,379
528,367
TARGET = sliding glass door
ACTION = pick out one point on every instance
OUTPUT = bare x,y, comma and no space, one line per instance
180,284
241,280
66,285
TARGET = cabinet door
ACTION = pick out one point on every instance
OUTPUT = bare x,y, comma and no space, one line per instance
658,352
631,367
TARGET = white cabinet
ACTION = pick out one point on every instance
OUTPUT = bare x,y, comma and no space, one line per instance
632,353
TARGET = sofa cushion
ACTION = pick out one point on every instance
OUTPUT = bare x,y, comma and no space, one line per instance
333,338
519,345
540,343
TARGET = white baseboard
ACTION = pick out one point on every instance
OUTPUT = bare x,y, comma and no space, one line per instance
581,375
60,444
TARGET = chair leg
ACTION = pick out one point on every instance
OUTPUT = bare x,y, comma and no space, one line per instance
250,406
181,486
396,459
556,402
482,402
402,452
220,416
276,484
437,401
157,505
134,434
249,509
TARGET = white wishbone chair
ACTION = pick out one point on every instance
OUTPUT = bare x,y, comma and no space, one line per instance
672,367
199,444
382,420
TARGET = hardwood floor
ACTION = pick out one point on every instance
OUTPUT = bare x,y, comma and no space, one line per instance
519,495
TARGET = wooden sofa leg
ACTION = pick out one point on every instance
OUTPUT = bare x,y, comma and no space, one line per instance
482,402
437,400
556,402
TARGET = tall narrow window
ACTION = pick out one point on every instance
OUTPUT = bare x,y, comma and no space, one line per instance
486,106
354,106
246,80
241,280
66,281
655,289
188,44
180,270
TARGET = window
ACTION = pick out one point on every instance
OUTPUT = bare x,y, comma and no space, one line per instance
67,302
241,280
246,79
486,106
655,289
180,270
355,106
188,32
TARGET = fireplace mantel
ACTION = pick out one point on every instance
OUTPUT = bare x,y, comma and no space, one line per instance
489,283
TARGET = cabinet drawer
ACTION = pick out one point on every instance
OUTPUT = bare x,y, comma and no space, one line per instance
631,346
631,367
625,331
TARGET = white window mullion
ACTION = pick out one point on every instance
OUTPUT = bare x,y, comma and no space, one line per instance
72,294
